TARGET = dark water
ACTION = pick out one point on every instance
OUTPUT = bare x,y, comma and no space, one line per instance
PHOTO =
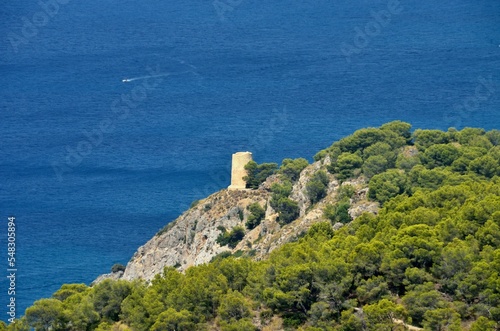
92,167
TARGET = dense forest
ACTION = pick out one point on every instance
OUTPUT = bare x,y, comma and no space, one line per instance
429,259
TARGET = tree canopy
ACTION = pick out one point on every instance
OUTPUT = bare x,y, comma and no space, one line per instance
430,257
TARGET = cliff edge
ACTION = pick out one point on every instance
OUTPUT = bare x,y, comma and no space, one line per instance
191,239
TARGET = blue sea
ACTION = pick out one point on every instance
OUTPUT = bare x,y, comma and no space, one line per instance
92,166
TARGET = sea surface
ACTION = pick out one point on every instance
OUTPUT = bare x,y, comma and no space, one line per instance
92,167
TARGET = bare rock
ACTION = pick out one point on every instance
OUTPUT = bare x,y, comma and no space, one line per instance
112,276
191,239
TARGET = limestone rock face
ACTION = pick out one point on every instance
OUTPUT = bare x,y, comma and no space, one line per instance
112,275
191,238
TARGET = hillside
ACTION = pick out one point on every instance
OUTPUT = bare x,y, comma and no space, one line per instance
386,230
192,238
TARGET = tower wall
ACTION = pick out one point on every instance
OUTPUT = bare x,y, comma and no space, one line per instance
238,171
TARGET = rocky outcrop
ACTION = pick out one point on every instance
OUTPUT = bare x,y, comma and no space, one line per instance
111,275
192,238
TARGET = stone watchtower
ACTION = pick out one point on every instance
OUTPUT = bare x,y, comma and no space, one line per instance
238,171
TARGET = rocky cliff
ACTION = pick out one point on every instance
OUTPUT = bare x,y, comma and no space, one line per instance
191,238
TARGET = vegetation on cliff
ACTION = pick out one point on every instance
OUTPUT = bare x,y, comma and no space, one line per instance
430,258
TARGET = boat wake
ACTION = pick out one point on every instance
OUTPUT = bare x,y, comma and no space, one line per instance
191,69
128,80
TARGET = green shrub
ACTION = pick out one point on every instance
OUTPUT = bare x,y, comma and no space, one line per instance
282,190
386,185
117,267
426,138
232,238
407,162
338,212
258,173
316,187
221,256
257,213
345,192
287,209
439,155
291,169
363,138
375,165
486,166
233,306
467,135
400,128
244,324
494,137
320,229
108,296
346,166
380,148
395,134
